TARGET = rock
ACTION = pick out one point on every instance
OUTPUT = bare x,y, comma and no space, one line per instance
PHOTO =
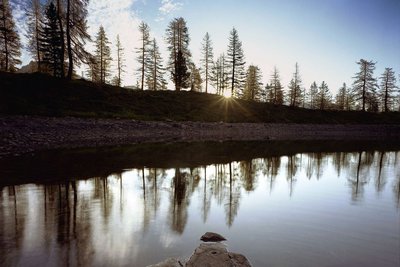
169,263
212,237
216,255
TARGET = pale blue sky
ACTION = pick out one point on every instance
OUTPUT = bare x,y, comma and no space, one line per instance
326,37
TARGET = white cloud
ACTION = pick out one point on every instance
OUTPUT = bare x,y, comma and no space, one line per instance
168,6
117,17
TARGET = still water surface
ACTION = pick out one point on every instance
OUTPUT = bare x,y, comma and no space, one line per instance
303,209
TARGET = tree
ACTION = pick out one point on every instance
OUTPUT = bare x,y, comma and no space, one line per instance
253,86
364,85
275,89
120,62
50,40
324,96
341,98
206,58
76,33
9,39
195,78
34,18
235,60
181,74
387,89
295,91
177,38
313,96
219,75
103,55
155,77
143,51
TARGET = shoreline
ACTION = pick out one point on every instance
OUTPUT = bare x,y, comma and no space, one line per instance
27,134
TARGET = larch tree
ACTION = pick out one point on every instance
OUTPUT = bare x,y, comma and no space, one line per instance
313,96
195,78
206,60
10,44
341,97
76,33
364,85
387,89
51,42
155,76
177,38
275,89
219,76
235,60
61,23
253,89
103,55
295,92
120,62
34,27
324,96
143,52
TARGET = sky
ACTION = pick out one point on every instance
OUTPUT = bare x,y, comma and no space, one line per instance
325,37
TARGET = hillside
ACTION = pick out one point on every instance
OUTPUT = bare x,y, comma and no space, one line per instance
43,95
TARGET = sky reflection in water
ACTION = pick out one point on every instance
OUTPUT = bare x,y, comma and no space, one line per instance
315,209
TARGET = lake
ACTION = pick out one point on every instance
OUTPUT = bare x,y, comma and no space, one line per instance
278,203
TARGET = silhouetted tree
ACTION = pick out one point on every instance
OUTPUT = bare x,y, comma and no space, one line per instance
343,99
275,89
206,58
143,52
219,75
103,55
60,16
177,37
313,96
253,85
295,92
195,78
364,85
51,42
387,89
181,74
120,62
324,96
9,39
235,60
76,33
155,77
34,27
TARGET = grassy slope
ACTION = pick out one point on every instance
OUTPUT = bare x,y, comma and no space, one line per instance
38,94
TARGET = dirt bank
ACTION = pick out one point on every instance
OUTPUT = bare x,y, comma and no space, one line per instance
22,134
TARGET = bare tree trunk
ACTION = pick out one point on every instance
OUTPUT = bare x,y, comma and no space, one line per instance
70,58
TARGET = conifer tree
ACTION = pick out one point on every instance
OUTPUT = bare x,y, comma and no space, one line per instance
9,39
340,99
120,62
235,60
324,96
143,52
364,85
219,76
313,95
195,78
76,33
387,89
295,92
51,42
103,55
253,86
177,38
275,89
155,77
34,19
206,59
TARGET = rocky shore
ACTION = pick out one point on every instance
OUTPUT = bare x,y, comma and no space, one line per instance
23,134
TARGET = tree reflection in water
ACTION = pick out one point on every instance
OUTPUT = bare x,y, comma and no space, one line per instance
66,219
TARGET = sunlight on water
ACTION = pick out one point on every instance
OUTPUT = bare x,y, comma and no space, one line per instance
313,209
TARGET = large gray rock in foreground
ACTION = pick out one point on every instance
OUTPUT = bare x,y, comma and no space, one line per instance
216,254
209,255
